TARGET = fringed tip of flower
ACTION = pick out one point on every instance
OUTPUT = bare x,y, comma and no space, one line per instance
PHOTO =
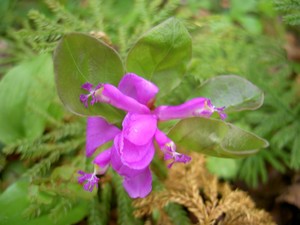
87,86
177,157
90,178
221,112
84,98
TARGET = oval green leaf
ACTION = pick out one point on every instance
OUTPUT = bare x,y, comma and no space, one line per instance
215,138
14,200
222,167
26,93
233,92
80,58
161,55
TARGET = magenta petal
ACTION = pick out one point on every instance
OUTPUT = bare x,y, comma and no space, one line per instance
119,166
162,139
138,88
178,157
221,112
84,99
99,131
201,107
87,86
168,147
134,156
138,128
103,160
139,186
182,158
83,176
112,95
184,110
90,178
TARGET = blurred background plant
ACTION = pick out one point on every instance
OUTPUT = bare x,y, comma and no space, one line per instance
42,144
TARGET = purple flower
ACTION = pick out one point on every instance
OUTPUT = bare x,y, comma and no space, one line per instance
89,87
90,178
192,108
133,145
169,149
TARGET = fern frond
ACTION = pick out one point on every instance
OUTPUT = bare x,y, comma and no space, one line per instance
106,199
45,32
271,122
60,209
65,15
44,114
295,156
94,217
54,151
177,214
43,166
66,131
123,39
287,5
41,147
293,19
290,9
33,211
100,207
285,136
161,11
42,22
254,168
96,11
141,7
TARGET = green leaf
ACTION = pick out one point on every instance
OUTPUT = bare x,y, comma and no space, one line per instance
222,167
233,92
251,24
295,154
78,59
177,214
215,138
25,92
65,173
240,8
161,55
15,200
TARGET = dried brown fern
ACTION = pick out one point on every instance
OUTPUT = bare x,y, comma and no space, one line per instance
210,201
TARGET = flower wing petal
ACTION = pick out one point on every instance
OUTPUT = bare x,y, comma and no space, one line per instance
139,128
112,95
103,160
138,88
136,157
99,131
197,107
139,186
119,166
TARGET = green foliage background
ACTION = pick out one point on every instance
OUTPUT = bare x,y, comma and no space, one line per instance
42,144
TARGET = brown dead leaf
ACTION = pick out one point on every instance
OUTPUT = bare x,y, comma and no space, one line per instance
291,196
292,47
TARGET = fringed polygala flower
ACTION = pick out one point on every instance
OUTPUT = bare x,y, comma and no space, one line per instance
133,144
